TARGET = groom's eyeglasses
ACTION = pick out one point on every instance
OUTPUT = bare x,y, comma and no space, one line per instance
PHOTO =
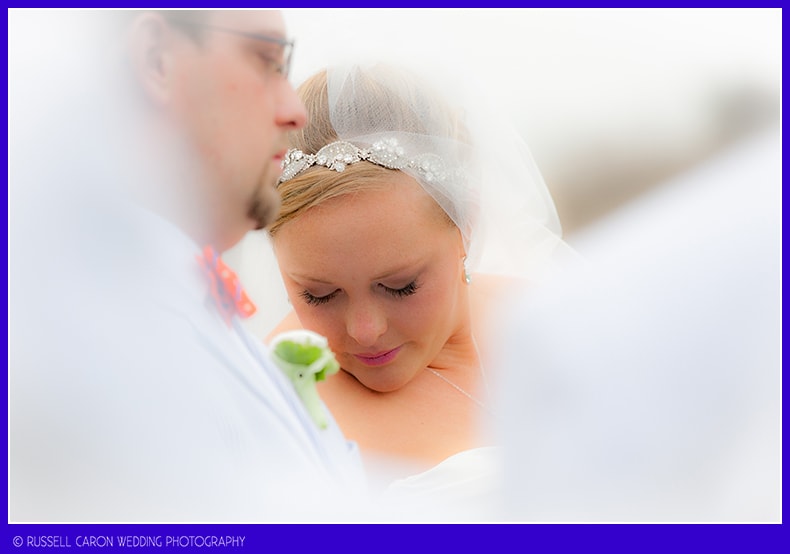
281,61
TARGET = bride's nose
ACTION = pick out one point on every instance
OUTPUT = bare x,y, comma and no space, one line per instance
365,322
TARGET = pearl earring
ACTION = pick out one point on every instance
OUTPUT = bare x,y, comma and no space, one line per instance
467,275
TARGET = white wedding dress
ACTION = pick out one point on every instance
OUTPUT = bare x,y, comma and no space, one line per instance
467,487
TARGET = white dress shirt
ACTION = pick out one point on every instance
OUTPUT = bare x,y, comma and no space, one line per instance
132,399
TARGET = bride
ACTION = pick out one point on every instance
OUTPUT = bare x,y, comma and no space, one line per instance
406,221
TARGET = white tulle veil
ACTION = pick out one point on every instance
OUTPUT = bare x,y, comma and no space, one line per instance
492,188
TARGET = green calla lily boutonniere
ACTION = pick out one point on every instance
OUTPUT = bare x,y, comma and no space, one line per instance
305,358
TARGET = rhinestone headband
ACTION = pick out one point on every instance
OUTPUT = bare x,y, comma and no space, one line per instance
386,153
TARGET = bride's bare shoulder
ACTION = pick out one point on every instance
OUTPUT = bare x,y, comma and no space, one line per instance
289,323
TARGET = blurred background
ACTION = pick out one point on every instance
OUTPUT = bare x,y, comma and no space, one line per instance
612,102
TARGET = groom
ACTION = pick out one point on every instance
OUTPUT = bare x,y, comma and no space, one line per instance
136,394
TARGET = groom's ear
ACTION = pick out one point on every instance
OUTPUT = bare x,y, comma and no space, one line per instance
153,47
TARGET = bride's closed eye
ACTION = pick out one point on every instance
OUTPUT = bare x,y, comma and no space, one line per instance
313,300
402,292
408,290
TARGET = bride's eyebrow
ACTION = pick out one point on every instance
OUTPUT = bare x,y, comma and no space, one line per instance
410,268
305,277
384,275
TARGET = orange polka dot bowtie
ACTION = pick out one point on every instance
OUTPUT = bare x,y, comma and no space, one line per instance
224,286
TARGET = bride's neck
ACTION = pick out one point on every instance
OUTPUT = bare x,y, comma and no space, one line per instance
460,349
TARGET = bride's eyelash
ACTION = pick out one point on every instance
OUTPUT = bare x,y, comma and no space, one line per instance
316,300
408,290
313,300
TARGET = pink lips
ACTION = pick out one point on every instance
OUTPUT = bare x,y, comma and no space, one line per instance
379,358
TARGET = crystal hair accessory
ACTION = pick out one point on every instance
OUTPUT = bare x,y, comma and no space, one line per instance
386,153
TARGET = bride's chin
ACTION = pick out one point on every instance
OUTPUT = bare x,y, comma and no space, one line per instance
377,380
